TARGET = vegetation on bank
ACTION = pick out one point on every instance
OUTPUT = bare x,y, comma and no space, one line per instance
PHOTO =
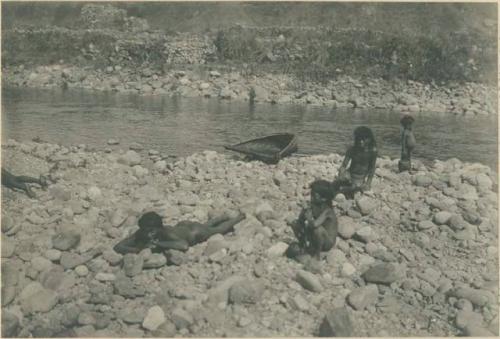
320,54
108,36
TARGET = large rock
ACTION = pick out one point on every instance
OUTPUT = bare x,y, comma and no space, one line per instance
277,249
36,298
10,324
442,218
366,234
264,211
7,223
309,281
423,180
246,291
41,264
66,240
425,225
8,247
126,288
130,158
132,264
135,315
299,303
154,318
382,274
226,93
346,227
431,275
181,318
155,260
220,292
112,257
477,297
366,205
71,260
361,298
484,182
477,331
467,318
457,223
337,323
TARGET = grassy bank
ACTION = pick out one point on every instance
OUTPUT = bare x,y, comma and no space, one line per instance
447,43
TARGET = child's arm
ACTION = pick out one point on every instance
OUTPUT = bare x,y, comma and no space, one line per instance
180,245
371,170
345,162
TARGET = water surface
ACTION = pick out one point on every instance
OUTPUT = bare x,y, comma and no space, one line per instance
181,126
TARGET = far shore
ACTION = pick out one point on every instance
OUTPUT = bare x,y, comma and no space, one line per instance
344,92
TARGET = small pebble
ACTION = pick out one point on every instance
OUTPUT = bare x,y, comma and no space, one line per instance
81,270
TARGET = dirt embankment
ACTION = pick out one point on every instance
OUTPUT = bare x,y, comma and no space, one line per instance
316,65
415,256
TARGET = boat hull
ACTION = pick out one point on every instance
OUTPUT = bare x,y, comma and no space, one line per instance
270,149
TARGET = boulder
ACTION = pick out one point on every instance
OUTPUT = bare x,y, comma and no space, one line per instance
130,158
8,247
181,318
382,274
366,205
154,318
126,288
422,180
362,297
346,227
299,303
36,298
365,234
309,281
66,240
337,323
132,264
425,225
246,291
277,249
10,324
155,260
442,217
477,297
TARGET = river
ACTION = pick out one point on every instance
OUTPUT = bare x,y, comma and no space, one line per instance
181,126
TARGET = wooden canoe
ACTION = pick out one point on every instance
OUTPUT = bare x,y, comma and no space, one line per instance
269,149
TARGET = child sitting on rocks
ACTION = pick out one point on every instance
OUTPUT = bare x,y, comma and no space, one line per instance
361,159
19,182
316,227
153,234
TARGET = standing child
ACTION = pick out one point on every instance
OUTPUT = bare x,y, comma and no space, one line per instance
408,143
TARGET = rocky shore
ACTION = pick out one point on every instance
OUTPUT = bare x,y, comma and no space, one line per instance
233,84
416,256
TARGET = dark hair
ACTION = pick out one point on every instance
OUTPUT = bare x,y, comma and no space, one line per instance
323,188
363,132
150,219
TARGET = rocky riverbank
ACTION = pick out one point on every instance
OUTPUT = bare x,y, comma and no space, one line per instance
233,84
417,255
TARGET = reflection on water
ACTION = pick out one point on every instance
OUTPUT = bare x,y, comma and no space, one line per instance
182,126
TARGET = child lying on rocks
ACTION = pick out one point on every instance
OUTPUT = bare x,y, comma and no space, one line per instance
153,234
316,227
361,159
19,182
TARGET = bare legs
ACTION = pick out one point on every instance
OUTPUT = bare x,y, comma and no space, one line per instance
19,182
